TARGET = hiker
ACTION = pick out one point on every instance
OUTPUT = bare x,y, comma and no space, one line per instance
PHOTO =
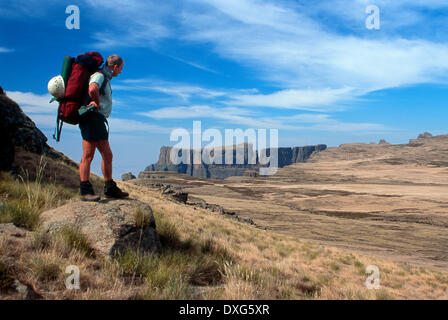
94,132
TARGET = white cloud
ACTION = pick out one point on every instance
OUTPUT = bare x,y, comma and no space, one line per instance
34,103
193,64
5,50
138,23
126,125
298,53
307,99
49,121
183,91
196,111
44,114
289,45
237,116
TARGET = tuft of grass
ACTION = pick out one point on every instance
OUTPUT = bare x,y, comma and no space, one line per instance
178,268
382,294
360,267
6,280
41,241
165,275
22,200
209,246
335,267
325,279
76,240
206,274
134,263
168,288
45,270
168,233
348,260
308,287
20,214
234,271
308,251
142,218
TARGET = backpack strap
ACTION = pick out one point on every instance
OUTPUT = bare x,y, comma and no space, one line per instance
103,86
58,129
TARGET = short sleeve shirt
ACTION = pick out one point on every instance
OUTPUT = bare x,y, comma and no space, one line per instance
106,99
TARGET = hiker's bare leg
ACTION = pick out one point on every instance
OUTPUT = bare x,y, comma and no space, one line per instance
106,155
88,151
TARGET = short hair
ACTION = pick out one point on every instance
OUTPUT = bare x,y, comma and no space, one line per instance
113,60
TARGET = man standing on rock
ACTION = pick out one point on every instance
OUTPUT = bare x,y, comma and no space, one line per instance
95,134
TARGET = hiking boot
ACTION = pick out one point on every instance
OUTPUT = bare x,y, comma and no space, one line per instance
87,193
112,191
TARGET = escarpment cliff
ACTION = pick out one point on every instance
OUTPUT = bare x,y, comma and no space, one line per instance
226,162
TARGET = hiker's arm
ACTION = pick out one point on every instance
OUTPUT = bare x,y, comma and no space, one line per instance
94,93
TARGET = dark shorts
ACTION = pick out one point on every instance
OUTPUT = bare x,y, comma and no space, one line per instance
93,126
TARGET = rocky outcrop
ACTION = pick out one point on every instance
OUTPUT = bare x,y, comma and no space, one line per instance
127,176
18,130
110,226
243,157
418,141
251,173
175,193
10,283
200,203
424,135
21,128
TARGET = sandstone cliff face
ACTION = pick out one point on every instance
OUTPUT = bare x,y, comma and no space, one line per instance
250,161
218,170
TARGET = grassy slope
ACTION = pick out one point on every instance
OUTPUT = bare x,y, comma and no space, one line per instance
271,266
204,256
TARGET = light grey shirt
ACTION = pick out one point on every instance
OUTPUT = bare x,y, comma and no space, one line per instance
106,99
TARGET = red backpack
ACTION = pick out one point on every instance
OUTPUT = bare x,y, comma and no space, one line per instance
76,73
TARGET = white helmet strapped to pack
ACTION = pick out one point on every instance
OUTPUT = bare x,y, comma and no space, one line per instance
56,87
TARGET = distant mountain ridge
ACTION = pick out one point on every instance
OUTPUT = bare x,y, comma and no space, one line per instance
286,156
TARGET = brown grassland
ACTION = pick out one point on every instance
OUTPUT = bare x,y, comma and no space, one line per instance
313,249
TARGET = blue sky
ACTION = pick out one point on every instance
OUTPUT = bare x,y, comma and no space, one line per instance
310,69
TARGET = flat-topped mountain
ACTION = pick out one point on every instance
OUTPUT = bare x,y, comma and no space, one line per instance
249,160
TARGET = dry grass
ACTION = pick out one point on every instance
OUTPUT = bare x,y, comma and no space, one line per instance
22,200
206,256
266,265
142,218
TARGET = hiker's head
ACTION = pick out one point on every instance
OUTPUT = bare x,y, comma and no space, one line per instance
115,63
